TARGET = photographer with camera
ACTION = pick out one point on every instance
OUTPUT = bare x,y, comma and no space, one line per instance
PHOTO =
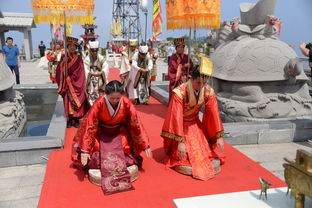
306,49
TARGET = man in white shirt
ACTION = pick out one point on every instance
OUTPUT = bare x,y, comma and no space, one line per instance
96,70
139,78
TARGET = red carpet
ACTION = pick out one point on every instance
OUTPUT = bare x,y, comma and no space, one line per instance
64,186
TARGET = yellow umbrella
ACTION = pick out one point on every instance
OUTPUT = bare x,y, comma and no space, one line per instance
192,14
63,11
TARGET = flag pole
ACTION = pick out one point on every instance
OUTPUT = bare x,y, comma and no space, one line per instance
145,13
52,42
65,43
189,54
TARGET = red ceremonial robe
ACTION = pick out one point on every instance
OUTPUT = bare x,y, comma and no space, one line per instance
176,70
71,86
183,125
118,137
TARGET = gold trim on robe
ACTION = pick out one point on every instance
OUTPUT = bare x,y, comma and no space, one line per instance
172,136
182,122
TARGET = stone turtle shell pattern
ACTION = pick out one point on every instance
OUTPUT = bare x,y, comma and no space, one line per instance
253,60
7,79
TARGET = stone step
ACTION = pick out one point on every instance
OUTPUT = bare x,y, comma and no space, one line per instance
27,150
267,133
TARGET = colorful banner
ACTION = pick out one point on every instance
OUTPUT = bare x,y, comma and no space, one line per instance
193,14
157,20
54,11
56,29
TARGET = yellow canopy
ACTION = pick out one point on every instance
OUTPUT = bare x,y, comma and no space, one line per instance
193,14
52,11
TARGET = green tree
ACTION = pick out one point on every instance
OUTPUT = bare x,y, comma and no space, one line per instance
170,39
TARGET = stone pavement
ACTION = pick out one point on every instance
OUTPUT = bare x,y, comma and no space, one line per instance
30,73
20,186
271,156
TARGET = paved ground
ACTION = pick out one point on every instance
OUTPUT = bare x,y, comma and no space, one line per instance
271,156
21,186
30,73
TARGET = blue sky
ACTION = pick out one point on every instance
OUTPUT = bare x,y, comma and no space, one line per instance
296,16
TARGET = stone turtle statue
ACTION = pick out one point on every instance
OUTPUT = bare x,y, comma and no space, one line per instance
12,106
256,76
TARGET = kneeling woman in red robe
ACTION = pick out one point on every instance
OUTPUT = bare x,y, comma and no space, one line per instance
110,140
193,147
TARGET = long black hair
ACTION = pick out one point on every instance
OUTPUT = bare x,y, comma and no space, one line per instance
114,86
196,73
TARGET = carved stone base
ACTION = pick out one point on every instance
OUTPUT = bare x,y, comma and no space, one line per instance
259,106
12,115
95,174
187,170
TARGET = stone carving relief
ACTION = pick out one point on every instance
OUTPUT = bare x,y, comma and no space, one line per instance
12,106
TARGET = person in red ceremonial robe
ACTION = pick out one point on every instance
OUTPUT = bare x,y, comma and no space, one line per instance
110,140
179,66
54,57
71,80
194,147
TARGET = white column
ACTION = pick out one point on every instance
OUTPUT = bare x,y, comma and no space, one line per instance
30,44
2,39
26,44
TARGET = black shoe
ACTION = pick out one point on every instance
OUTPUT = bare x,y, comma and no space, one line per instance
136,101
76,124
69,124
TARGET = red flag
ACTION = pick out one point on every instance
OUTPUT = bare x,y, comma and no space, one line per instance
157,20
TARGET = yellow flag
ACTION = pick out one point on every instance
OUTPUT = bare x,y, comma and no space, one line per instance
69,29
118,26
206,65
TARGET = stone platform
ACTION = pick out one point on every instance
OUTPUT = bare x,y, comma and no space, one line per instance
277,198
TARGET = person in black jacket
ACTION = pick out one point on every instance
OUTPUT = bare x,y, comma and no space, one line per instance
306,50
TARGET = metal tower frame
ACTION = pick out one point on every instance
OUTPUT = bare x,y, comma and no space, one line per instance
128,11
